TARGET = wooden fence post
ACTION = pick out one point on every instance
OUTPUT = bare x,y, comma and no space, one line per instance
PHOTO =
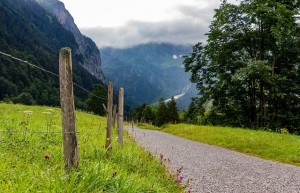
109,116
114,115
120,116
68,110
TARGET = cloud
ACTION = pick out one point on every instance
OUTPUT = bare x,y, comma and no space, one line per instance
188,28
177,32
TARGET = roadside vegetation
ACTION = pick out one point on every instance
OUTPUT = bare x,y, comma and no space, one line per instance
281,147
31,156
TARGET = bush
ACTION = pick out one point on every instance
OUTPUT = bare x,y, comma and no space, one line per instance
24,98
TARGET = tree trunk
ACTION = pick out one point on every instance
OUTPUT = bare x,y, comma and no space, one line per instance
261,105
252,94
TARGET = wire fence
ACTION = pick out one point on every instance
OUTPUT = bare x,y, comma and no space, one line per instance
70,142
36,132
47,71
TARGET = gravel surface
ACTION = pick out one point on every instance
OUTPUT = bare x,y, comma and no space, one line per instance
215,169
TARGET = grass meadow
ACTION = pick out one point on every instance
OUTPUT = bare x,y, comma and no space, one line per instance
31,156
280,147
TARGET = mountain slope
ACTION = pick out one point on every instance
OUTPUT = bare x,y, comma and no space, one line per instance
147,72
29,32
86,47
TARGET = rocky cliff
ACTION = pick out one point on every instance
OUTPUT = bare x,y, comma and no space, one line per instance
92,60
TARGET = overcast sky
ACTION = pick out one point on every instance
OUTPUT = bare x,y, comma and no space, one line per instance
123,23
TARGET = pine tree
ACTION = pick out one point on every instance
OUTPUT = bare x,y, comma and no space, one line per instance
173,116
162,113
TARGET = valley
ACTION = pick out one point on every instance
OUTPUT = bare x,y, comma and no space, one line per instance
149,72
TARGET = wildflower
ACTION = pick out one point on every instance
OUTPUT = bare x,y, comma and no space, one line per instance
51,110
47,156
179,179
161,158
28,112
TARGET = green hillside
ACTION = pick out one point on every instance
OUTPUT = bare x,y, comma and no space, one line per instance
28,32
32,160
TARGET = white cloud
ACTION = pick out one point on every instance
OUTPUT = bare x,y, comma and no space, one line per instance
119,23
177,32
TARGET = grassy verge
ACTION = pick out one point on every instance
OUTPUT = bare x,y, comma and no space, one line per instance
283,148
33,161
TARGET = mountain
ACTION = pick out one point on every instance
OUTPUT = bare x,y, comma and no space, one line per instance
86,47
31,33
148,71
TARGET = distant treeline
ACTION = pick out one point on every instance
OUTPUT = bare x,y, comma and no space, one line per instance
165,112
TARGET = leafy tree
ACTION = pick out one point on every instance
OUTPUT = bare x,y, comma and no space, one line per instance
144,113
250,65
172,113
137,114
149,114
96,99
7,88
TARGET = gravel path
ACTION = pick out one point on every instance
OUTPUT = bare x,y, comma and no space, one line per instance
215,169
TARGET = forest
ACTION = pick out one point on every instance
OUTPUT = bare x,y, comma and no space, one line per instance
28,32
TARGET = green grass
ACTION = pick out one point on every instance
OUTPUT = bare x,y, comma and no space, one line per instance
23,167
279,147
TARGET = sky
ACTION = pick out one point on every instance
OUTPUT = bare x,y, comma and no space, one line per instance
124,23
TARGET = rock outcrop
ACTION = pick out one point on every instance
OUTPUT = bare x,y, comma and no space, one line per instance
92,60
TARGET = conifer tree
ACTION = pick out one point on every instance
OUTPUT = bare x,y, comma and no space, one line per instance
173,116
162,113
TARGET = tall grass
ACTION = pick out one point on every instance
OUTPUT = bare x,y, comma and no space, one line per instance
279,147
33,162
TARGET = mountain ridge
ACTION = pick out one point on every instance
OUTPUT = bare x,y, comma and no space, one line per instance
91,55
29,32
147,71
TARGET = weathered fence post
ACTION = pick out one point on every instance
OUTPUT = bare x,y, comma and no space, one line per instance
120,116
109,116
114,115
68,109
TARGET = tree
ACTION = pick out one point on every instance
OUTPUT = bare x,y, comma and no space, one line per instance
149,114
173,115
24,98
137,113
250,65
7,88
96,99
162,113
144,113
194,113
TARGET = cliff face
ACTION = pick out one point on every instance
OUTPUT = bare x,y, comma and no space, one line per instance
89,50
